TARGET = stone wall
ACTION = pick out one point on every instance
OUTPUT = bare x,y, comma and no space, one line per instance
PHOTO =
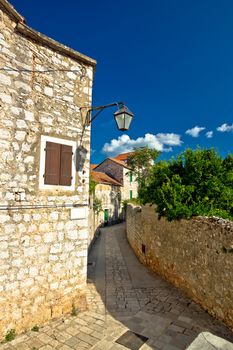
110,197
195,255
43,232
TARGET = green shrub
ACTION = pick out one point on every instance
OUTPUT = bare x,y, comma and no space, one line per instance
74,311
197,182
133,200
97,205
10,335
92,185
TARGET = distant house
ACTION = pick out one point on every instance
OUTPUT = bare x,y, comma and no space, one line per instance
108,192
118,169
114,183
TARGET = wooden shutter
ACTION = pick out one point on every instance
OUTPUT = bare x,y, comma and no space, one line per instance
131,194
66,165
131,176
52,163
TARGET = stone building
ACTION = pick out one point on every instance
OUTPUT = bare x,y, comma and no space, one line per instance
114,184
44,174
118,169
108,192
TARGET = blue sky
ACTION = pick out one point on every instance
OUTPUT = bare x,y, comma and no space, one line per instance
170,61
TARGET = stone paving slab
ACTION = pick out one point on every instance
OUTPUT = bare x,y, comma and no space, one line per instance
123,295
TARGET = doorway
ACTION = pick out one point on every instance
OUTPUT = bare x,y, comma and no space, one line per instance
106,215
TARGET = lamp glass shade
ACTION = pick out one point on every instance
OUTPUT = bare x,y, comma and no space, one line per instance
123,118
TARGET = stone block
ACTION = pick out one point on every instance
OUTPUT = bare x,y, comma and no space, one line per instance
48,91
206,340
5,98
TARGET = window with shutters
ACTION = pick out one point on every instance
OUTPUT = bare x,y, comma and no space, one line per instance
131,176
131,194
57,163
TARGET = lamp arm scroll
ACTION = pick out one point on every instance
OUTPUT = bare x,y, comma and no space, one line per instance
89,118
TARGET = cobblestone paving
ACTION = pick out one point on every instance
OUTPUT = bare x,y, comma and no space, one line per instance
123,295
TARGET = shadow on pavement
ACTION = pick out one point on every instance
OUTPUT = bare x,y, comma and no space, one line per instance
140,307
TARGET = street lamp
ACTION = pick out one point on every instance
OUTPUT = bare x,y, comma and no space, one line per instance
123,116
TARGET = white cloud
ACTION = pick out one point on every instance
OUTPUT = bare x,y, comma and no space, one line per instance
169,139
225,128
209,134
125,144
195,131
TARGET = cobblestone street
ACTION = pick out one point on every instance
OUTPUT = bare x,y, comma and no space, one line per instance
124,296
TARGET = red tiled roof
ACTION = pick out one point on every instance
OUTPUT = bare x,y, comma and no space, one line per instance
123,156
103,178
93,166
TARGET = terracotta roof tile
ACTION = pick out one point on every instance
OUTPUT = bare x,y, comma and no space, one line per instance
103,178
123,156
93,166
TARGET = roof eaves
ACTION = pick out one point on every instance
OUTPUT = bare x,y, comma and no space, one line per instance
53,44
9,9
103,178
22,28
114,183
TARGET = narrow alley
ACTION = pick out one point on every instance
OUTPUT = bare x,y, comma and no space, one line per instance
128,308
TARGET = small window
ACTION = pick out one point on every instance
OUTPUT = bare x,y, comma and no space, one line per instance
131,194
57,163
131,176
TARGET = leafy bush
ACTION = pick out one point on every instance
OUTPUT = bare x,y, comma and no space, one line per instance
10,335
97,205
141,161
126,201
92,185
197,182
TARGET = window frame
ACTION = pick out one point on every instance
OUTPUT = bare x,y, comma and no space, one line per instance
73,144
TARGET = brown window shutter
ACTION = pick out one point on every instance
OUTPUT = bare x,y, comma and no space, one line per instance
66,165
52,163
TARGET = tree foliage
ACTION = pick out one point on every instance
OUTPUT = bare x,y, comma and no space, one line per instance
141,161
92,185
97,205
197,182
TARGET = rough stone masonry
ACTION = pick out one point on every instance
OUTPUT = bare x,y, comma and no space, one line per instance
43,229
195,255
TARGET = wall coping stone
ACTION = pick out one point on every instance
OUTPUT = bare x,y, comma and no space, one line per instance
228,224
10,10
22,28
53,44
